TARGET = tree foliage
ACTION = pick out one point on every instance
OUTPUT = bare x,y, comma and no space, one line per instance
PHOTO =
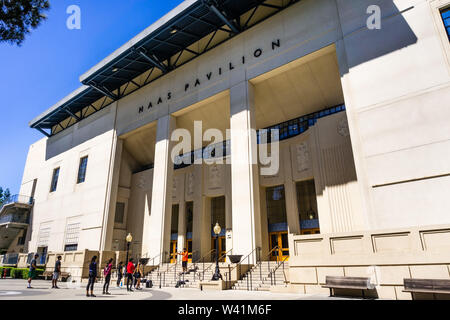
4,195
19,17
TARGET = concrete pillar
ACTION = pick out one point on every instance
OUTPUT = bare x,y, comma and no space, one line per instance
201,217
111,198
161,208
228,211
244,171
181,226
290,193
264,224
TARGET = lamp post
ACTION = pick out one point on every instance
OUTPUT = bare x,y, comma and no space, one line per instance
217,275
129,238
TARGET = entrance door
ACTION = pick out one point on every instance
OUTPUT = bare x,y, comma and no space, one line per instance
280,240
222,248
173,251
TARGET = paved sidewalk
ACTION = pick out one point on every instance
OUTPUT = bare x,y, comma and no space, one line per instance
16,289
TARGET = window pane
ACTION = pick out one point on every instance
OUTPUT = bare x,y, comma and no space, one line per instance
446,19
54,180
82,170
72,235
120,212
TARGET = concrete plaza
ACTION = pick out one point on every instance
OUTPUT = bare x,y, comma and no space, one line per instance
16,289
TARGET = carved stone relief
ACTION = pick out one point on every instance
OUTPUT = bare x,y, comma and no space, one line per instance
303,157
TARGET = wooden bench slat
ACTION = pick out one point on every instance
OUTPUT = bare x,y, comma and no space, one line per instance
426,285
426,291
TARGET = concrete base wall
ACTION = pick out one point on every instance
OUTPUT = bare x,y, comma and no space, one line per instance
385,256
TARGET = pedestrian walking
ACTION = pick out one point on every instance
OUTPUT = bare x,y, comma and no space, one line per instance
32,270
107,274
137,276
92,277
119,273
56,273
130,272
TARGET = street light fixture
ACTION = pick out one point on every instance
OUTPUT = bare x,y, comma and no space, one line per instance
217,275
128,239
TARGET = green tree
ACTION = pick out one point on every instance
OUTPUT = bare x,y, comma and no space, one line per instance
4,195
19,17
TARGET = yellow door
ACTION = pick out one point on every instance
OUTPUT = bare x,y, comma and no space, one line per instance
222,248
173,251
280,240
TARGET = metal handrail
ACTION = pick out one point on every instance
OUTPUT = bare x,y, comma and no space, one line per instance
247,257
17,198
272,273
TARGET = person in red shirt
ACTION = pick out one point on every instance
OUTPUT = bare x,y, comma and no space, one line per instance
130,272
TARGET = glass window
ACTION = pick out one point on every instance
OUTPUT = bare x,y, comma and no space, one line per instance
276,205
72,235
54,180
307,207
445,13
189,216
120,212
71,247
174,222
82,170
218,213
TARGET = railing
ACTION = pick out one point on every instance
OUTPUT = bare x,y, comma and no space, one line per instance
15,218
269,255
11,259
42,260
273,278
248,271
17,198
213,264
202,260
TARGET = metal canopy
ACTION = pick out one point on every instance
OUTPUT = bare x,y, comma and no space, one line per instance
160,49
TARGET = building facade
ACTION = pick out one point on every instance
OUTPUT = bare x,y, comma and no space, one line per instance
364,139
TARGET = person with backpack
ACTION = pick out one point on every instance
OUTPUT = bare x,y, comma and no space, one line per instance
137,276
107,274
92,277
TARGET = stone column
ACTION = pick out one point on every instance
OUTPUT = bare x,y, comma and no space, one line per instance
110,206
244,171
228,214
201,217
181,225
161,208
290,192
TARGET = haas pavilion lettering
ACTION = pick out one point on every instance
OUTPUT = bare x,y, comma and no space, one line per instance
257,53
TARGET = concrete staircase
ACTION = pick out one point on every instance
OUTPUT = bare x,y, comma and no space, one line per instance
258,278
169,274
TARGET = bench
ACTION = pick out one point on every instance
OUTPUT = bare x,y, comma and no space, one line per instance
357,283
49,275
433,286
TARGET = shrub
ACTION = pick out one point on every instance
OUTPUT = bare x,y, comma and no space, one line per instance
22,273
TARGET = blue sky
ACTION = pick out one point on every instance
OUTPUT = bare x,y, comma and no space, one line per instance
47,66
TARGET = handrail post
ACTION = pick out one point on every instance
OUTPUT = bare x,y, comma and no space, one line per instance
247,271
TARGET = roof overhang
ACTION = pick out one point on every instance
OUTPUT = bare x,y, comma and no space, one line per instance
158,48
